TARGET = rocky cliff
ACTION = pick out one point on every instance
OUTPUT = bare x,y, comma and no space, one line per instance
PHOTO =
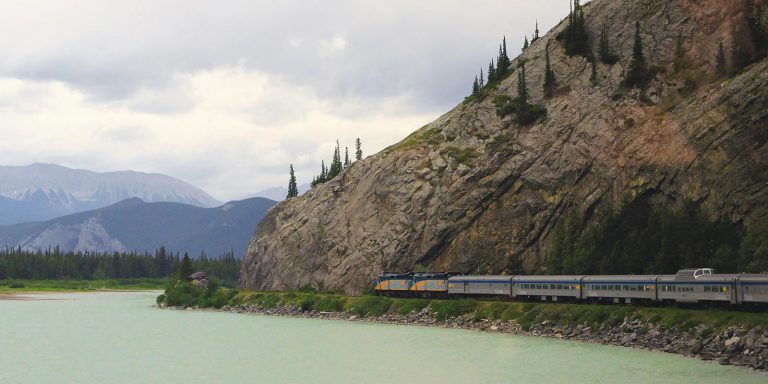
473,192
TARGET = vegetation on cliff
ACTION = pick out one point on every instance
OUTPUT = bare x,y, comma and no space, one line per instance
643,238
336,166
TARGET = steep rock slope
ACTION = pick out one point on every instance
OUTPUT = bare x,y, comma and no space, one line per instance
472,192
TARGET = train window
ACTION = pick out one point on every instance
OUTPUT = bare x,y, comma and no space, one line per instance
707,288
725,289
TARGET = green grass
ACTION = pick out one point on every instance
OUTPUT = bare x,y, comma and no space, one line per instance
16,285
406,306
462,155
429,137
523,313
370,305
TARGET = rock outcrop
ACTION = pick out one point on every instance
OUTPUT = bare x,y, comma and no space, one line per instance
475,193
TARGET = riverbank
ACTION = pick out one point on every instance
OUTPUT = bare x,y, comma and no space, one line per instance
728,337
32,286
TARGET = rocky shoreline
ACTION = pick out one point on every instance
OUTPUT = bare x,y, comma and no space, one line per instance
730,346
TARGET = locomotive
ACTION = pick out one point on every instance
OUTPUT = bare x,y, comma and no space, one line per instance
695,286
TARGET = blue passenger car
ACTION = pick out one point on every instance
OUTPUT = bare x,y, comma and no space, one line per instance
496,285
555,288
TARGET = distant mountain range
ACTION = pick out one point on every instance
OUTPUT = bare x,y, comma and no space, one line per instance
44,191
135,225
279,193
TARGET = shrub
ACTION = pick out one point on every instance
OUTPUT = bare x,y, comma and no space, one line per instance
492,312
445,309
462,155
331,303
370,305
15,284
404,307
525,113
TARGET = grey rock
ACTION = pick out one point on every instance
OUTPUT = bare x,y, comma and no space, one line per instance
496,191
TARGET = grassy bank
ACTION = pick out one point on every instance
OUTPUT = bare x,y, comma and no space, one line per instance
8,286
525,314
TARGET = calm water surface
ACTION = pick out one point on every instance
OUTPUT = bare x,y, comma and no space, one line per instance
120,338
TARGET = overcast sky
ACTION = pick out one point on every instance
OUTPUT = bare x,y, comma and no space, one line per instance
226,94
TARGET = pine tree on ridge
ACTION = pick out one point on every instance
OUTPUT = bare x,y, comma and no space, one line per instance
293,190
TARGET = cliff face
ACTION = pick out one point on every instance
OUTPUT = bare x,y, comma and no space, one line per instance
472,192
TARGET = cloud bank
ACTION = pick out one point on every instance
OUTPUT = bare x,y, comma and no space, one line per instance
226,94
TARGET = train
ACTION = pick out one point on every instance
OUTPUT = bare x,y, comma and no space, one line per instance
687,286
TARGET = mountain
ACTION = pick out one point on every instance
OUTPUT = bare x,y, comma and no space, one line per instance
44,191
133,225
475,192
279,193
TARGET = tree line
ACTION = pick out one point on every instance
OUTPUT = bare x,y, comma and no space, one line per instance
644,239
576,42
55,264
326,173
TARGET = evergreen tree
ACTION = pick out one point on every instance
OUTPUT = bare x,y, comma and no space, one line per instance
501,69
323,172
593,77
574,35
358,150
741,49
491,72
525,43
758,27
475,87
293,190
637,76
549,75
522,87
536,32
347,163
504,46
185,268
482,82
336,164
604,49
720,64
502,62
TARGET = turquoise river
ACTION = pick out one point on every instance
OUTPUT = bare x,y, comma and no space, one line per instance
121,338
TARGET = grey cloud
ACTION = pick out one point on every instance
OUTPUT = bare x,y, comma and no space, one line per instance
431,48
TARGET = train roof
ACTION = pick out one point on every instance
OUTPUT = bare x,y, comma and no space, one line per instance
395,275
693,273
620,278
555,278
754,277
480,278
432,275
719,277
